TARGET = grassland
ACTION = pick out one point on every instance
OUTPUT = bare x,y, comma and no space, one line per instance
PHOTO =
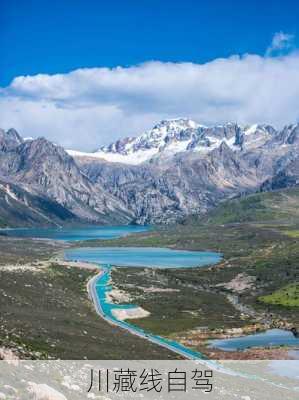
287,296
268,206
292,233
174,306
257,237
46,313
15,251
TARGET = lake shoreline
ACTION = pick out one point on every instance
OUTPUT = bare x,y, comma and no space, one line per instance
214,353
94,266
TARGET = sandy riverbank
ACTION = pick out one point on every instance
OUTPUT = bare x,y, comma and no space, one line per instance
130,313
76,264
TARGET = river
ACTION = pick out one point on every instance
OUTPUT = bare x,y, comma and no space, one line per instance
106,257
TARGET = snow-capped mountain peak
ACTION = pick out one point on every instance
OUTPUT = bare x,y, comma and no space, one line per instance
162,133
170,137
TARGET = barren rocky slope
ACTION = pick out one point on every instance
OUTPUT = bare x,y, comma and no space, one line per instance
176,169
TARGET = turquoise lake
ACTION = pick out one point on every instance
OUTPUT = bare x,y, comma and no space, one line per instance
72,234
143,257
270,338
146,257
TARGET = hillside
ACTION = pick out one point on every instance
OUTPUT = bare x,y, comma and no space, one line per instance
180,168
258,237
175,170
20,208
278,205
41,182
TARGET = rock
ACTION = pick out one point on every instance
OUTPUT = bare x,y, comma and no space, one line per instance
44,184
44,392
176,169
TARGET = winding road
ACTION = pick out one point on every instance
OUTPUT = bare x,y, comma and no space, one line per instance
172,346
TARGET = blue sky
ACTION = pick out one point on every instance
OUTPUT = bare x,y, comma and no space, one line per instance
213,61
58,36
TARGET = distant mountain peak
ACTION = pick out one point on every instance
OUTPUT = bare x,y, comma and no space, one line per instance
183,168
14,134
177,123
153,138
172,136
181,135
9,139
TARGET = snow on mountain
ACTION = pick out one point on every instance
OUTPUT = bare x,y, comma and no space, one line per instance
214,163
170,137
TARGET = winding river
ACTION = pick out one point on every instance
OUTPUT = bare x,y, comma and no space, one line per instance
136,257
106,257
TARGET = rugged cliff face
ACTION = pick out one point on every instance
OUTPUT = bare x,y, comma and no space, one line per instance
21,208
45,171
163,192
176,169
181,168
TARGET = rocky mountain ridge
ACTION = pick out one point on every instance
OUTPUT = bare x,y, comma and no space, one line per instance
180,168
176,169
170,137
39,169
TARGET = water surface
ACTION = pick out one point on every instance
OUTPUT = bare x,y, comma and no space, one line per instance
143,257
72,234
139,257
270,338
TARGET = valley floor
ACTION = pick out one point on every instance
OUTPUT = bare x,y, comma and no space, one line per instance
46,313
255,287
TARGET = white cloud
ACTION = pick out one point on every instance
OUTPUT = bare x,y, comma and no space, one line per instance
281,43
88,107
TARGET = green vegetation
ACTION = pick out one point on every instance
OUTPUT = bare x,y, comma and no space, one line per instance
45,311
294,233
49,312
263,249
269,206
18,251
2,223
287,296
174,307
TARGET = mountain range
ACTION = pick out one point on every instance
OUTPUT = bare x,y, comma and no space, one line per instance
176,169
